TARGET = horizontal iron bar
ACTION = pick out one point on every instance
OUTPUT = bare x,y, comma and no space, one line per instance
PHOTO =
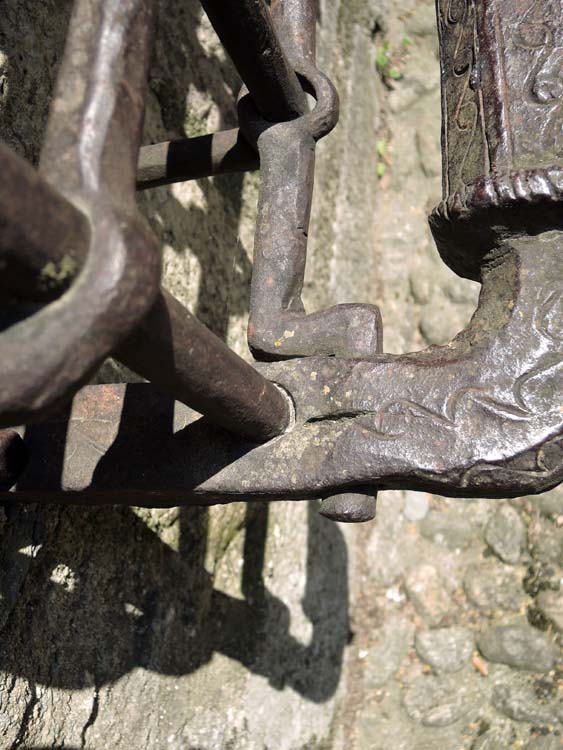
39,259
247,32
193,158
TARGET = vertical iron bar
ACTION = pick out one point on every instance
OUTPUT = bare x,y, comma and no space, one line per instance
170,346
90,154
295,22
247,32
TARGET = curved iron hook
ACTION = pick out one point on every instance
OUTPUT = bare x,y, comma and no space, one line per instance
279,328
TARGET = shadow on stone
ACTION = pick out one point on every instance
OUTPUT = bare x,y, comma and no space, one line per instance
105,595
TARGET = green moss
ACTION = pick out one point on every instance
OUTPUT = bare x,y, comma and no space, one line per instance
224,527
195,126
55,273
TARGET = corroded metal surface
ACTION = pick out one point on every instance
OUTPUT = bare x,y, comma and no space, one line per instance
459,420
194,158
479,417
173,349
278,326
89,159
246,29
502,134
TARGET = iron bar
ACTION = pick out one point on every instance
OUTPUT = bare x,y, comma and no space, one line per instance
193,158
246,30
43,238
295,22
90,153
279,327
479,417
174,350
170,346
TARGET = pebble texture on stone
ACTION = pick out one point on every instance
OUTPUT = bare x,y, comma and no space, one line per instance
427,592
493,587
437,701
550,604
445,649
520,646
505,534
521,703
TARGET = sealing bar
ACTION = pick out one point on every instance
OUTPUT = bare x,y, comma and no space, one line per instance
193,158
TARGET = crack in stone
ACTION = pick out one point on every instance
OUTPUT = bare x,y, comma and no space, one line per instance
91,718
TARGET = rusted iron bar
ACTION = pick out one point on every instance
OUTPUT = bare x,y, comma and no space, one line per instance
356,506
43,238
247,32
177,352
479,417
295,22
193,158
90,154
94,133
279,327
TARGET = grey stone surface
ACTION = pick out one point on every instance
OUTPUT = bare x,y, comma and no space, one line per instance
505,534
416,505
385,657
545,541
426,590
498,737
551,741
494,586
550,604
445,649
519,645
438,701
551,503
522,704
452,529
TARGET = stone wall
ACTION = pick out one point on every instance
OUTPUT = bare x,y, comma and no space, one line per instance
254,628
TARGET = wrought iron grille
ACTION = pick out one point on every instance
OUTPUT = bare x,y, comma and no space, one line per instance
327,414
